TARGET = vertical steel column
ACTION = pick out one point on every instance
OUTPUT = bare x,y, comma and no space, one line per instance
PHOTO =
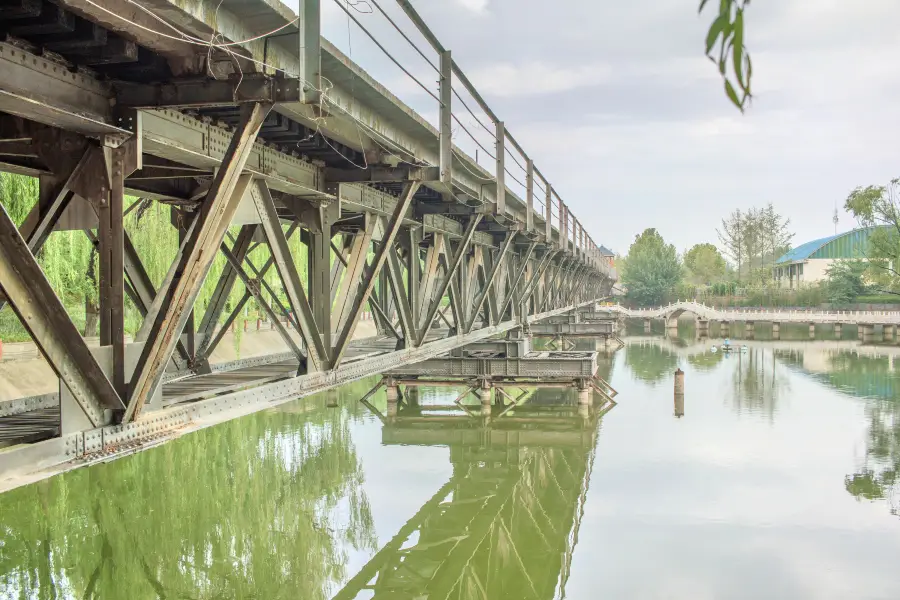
314,336
452,270
500,206
111,249
489,281
310,50
319,269
446,118
548,211
356,262
44,316
220,295
563,226
381,255
198,253
529,193
414,270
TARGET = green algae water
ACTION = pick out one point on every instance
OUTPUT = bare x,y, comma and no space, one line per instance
777,478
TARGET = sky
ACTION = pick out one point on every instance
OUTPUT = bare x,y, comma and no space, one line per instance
620,109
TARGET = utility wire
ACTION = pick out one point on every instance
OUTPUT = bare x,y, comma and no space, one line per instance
405,37
388,54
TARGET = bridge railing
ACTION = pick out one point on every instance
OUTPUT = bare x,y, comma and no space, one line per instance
780,316
543,214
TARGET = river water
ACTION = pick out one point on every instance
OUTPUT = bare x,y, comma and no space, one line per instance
780,480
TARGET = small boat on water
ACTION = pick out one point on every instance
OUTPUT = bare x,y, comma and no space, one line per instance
727,348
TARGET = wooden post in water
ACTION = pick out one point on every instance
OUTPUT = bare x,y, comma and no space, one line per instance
679,393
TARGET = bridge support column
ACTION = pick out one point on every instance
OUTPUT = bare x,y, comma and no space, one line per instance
484,393
776,331
672,326
724,328
837,330
703,327
584,393
888,333
812,331
749,329
647,323
392,391
868,333
679,393
859,331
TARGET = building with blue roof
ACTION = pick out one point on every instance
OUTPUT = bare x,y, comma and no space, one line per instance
808,263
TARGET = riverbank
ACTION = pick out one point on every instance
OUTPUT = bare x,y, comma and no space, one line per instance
23,372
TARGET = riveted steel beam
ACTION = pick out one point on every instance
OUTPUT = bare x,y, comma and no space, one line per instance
205,237
452,269
318,356
208,93
381,256
44,316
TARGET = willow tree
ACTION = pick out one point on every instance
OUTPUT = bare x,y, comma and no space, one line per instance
725,48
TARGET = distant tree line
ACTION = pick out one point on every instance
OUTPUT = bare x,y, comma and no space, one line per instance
653,271
754,240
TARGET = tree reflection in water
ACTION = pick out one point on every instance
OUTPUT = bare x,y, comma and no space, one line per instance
873,379
757,382
650,362
246,509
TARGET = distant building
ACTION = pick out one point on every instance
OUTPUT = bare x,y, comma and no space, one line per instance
608,256
808,262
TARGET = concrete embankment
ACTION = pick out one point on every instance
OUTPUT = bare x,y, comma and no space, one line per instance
23,372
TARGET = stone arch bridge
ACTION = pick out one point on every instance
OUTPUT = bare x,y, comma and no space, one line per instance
865,321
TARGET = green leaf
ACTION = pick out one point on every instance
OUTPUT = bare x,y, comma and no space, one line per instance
738,48
717,27
749,73
732,95
702,4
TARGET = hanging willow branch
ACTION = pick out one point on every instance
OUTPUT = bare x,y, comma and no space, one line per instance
725,48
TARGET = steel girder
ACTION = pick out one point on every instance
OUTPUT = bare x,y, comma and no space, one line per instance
196,258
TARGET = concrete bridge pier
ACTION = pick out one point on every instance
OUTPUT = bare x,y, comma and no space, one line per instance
812,331
888,333
484,393
585,393
724,328
859,331
672,326
837,330
776,331
868,333
702,327
392,391
750,329
647,323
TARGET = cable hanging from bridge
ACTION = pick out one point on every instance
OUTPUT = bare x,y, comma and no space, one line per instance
466,106
474,139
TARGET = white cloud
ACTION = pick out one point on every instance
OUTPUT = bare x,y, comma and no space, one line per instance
477,6
536,78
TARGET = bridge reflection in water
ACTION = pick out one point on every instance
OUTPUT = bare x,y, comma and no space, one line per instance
505,525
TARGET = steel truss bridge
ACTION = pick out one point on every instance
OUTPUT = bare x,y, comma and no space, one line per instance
250,140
